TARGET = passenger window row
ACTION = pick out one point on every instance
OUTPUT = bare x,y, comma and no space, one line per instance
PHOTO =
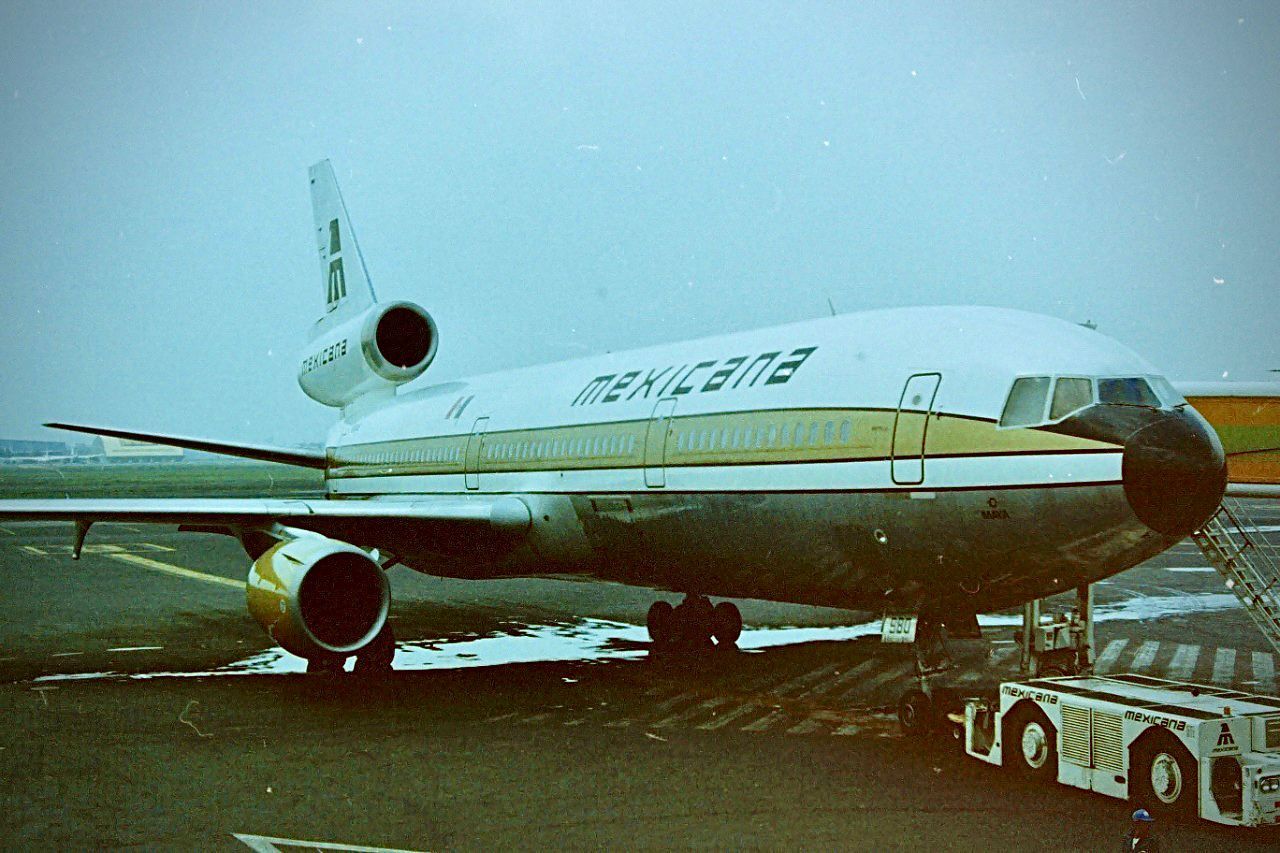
586,447
389,457
775,435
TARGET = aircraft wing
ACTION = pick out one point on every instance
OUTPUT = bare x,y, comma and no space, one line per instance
283,455
483,520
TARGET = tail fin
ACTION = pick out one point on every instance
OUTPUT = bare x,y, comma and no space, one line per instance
347,288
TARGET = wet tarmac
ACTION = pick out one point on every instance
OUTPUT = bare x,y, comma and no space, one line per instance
144,708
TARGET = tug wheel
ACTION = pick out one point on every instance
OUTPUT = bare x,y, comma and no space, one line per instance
1162,775
1031,744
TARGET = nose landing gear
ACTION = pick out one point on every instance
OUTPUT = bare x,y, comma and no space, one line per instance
1050,649
694,624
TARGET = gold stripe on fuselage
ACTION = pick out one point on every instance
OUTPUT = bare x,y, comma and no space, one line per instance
760,437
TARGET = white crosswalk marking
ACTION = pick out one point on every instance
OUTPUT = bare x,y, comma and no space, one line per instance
829,687
1224,666
806,727
1109,655
725,719
1145,656
1184,662
1264,672
777,715
685,716
870,686
678,699
802,680
839,681
536,718
502,717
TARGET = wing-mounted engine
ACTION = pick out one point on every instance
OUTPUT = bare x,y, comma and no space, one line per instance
314,595
372,353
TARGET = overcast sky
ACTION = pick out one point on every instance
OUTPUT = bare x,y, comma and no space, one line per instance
553,180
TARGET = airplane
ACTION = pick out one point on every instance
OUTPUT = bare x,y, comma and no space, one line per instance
942,461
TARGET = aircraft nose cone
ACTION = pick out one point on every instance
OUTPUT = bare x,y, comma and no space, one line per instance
1175,473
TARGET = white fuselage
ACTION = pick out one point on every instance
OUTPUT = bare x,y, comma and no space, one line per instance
850,461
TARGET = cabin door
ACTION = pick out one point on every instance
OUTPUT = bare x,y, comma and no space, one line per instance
655,443
911,427
471,459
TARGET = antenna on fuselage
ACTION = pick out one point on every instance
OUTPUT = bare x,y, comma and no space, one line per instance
832,306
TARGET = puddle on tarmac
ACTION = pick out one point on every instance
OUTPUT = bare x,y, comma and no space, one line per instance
598,639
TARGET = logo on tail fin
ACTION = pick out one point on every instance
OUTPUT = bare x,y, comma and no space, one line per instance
337,279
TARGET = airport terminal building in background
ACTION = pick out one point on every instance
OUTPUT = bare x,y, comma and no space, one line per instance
109,451
14,449
123,450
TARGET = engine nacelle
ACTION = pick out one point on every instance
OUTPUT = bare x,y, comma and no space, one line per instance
314,595
386,346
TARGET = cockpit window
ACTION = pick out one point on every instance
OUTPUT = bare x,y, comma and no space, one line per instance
1070,394
1025,405
1133,391
1168,394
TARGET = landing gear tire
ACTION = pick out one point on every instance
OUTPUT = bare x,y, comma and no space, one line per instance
693,625
326,664
1031,744
661,623
1164,778
376,658
915,713
726,624
693,622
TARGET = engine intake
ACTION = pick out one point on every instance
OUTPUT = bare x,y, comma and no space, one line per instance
404,337
316,595
386,346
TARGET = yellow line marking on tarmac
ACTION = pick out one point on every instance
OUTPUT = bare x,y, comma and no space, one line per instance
157,566
7,530
32,549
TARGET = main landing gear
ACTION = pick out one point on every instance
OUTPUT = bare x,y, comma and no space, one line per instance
694,624
373,659
923,709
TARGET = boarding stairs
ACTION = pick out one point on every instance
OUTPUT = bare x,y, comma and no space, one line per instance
1250,565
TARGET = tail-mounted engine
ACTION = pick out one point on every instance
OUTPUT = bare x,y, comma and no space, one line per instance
386,346
315,595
